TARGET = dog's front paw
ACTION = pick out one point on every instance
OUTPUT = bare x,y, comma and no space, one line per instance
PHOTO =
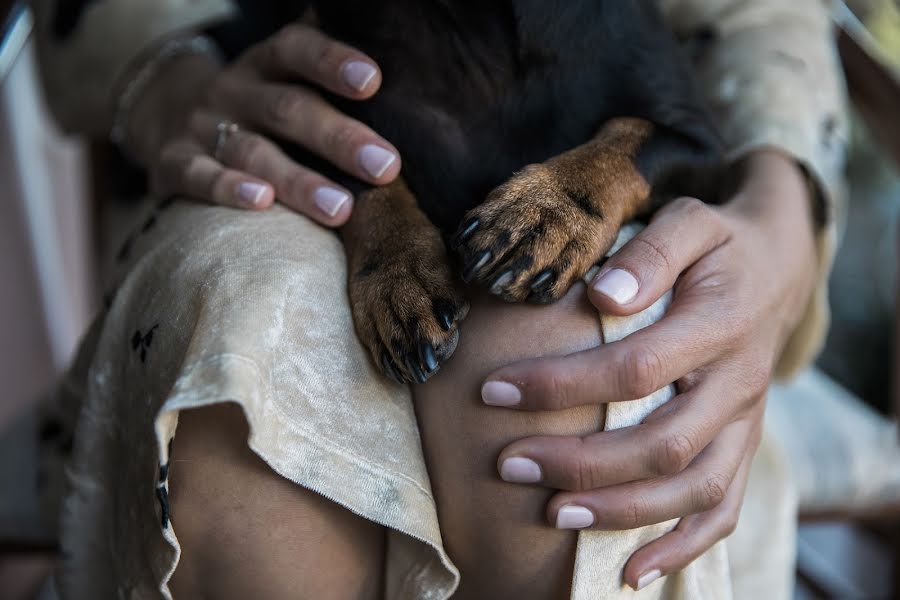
539,232
407,306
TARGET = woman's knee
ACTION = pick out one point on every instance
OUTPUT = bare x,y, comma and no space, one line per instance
246,532
490,526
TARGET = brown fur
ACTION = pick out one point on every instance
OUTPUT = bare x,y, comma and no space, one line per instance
406,301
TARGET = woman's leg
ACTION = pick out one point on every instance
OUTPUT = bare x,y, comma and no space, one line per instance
496,532
246,532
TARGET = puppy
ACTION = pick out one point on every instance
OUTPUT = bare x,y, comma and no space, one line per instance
531,130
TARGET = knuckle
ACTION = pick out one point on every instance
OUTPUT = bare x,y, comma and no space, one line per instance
281,106
587,473
555,391
655,252
712,492
328,56
636,514
674,453
296,185
339,138
690,206
641,373
729,525
249,151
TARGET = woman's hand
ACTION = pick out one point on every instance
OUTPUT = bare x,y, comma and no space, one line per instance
173,130
743,274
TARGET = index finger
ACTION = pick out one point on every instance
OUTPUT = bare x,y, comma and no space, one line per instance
685,340
299,50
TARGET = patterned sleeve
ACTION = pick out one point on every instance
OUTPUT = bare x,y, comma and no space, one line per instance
86,46
771,75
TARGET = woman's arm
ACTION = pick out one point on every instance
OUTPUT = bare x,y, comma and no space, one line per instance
86,48
772,79
111,62
745,277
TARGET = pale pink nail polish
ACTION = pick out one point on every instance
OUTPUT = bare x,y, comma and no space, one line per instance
618,285
648,578
251,193
500,393
376,160
520,470
574,517
357,74
330,200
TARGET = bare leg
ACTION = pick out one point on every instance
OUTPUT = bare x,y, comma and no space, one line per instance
495,532
246,532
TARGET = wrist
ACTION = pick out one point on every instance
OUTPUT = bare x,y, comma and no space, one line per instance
154,104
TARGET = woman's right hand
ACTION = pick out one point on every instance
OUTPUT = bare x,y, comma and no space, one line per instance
258,92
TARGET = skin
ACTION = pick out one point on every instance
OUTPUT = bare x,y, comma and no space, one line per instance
742,273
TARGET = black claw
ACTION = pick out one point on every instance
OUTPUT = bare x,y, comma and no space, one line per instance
464,232
445,313
543,281
427,356
415,370
475,265
390,369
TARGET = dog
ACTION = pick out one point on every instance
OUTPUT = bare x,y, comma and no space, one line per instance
531,130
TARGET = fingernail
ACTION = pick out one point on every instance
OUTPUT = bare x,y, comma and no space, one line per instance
520,470
250,193
500,393
357,74
330,200
619,285
648,578
376,160
574,517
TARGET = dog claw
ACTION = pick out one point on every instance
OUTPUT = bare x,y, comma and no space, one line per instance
390,369
464,232
543,281
499,285
445,313
476,264
428,357
415,370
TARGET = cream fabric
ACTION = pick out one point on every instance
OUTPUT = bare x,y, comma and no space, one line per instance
219,305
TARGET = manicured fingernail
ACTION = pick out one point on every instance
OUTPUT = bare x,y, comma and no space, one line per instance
500,393
357,74
520,470
251,193
330,200
375,159
619,285
648,578
574,517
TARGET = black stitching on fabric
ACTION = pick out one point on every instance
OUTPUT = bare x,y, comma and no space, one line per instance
141,342
162,494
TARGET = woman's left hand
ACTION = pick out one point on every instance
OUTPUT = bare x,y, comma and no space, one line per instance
743,274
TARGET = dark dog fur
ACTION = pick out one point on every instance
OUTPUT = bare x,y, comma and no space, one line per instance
540,125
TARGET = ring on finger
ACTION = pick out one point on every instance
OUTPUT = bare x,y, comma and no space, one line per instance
224,130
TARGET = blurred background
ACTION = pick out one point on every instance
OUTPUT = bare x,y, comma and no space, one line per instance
51,234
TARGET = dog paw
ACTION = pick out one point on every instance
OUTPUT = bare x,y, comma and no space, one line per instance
407,306
538,233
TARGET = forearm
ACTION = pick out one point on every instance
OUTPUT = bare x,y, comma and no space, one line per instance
770,73
161,110
87,48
